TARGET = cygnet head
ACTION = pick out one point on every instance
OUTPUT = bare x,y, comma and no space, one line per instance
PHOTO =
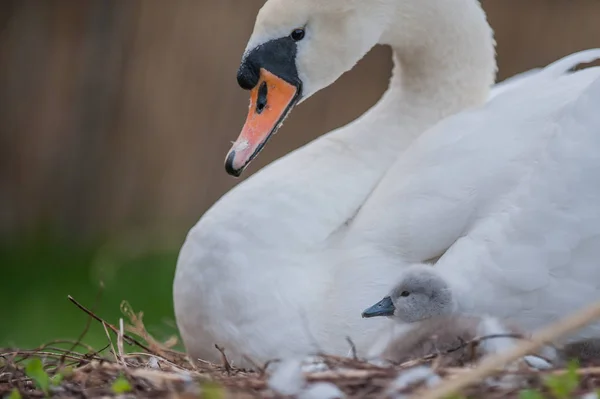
420,294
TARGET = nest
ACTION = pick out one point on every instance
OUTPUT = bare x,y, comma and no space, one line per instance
71,369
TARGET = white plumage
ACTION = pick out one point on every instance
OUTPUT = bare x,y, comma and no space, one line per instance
506,195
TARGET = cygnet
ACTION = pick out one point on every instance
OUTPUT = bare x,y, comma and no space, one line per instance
427,323
586,351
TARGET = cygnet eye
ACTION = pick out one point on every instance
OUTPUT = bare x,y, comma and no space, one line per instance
405,293
297,34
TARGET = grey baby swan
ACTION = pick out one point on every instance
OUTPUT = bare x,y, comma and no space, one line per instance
423,305
420,294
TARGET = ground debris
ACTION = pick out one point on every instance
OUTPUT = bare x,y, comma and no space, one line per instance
149,376
72,369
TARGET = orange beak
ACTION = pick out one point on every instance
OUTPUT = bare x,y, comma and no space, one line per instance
270,102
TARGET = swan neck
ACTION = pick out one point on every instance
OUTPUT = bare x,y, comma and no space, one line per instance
444,56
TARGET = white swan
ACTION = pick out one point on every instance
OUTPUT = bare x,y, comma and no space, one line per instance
267,272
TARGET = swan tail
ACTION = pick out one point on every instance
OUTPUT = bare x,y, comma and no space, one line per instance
552,71
585,108
512,82
568,63
581,120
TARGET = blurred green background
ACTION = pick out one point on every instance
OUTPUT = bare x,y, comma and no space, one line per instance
41,272
115,117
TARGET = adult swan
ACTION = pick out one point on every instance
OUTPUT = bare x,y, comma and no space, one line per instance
285,262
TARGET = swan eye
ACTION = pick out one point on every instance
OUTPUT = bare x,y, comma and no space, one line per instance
297,34
405,293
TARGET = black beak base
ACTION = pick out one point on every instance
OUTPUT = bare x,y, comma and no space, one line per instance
278,56
385,307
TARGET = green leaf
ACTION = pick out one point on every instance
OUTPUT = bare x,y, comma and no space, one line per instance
60,375
562,386
56,379
121,385
67,371
211,390
14,394
35,371
530,394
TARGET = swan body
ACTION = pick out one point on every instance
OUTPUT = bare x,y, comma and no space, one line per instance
523,227
284,263
529,214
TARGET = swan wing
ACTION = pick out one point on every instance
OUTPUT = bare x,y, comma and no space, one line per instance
458,171
554,70
533,253
512,82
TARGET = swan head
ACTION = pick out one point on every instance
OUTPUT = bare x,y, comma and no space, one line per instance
420,294
297,48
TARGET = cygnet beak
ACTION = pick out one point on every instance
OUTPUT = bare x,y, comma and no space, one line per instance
385,307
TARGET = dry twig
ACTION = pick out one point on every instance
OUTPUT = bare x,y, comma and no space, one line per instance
493,365
226,363
129,339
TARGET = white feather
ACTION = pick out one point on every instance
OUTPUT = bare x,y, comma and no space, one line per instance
413,376
287,379
321,390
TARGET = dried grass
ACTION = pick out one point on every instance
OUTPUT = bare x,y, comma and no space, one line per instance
159,371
